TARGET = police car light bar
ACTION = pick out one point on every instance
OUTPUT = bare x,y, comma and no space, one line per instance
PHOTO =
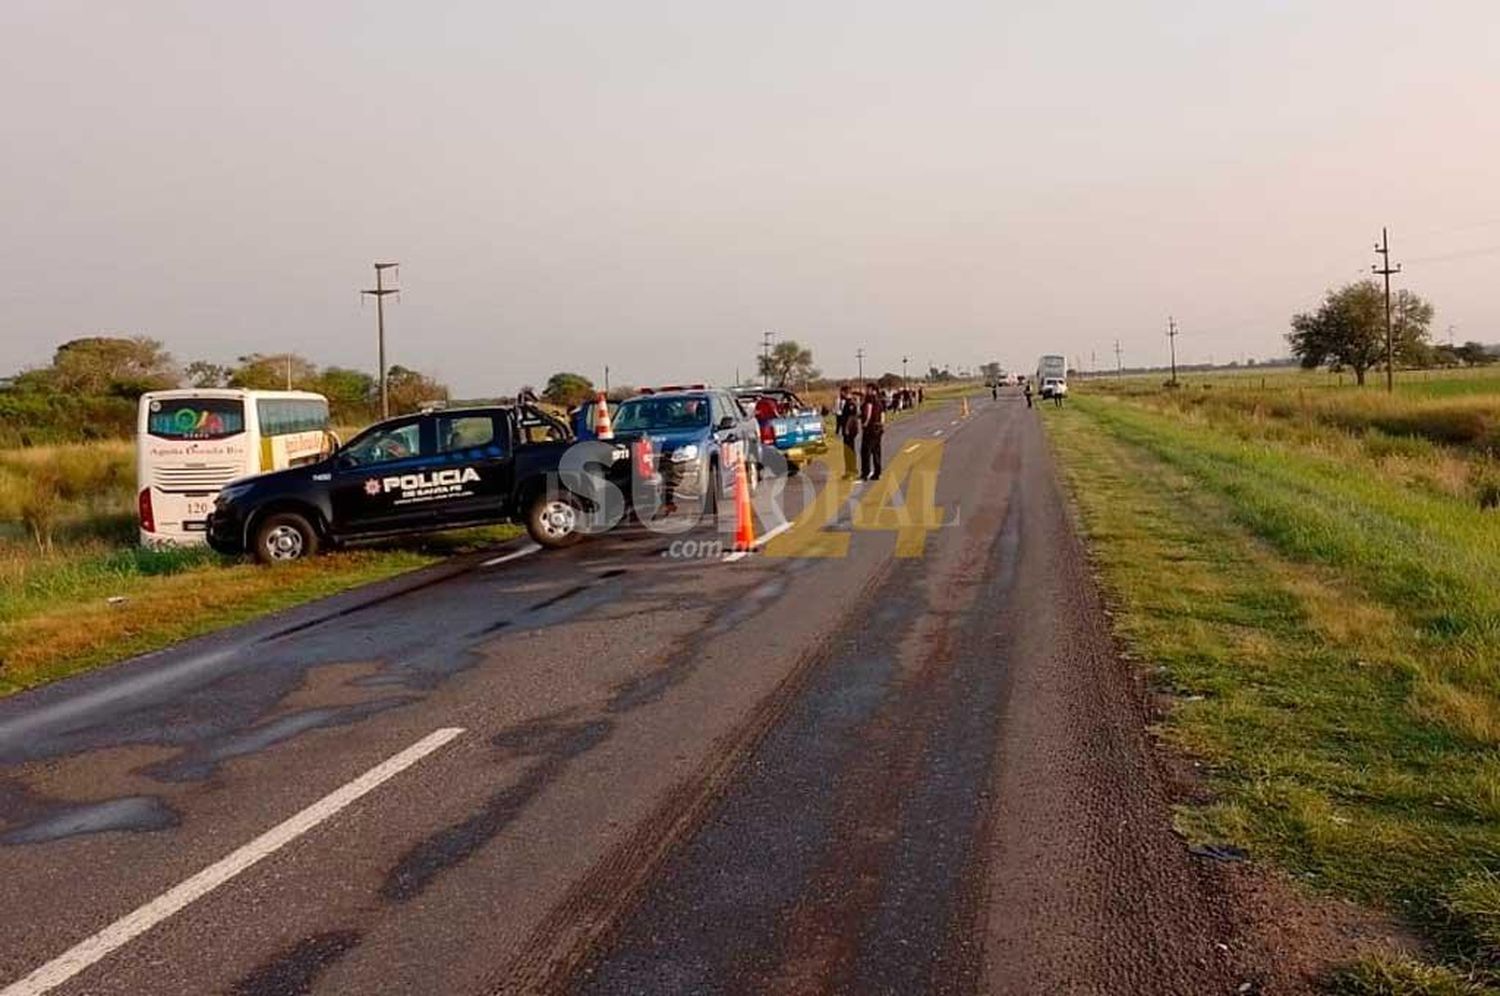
665,388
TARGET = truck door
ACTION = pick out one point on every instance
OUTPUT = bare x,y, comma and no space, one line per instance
476,466
378,479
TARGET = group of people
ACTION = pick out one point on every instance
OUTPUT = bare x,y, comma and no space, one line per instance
860,419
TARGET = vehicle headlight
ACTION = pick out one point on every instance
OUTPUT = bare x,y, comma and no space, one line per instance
683,454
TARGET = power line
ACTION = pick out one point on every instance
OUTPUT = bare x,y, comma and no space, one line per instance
1383,248
379,293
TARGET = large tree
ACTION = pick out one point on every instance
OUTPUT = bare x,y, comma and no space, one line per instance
202,373
346,389
1348,329
274,372
125,367
410,390
788,363
568,389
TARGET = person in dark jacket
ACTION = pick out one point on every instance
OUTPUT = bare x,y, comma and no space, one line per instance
872,428
1028,394
846,424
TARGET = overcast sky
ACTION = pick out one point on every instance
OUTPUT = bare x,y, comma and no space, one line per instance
652,184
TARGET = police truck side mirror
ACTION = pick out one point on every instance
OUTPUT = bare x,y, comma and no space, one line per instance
727,422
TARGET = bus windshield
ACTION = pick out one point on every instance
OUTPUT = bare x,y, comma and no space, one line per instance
196,418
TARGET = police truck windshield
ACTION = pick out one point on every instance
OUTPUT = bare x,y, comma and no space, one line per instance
662,414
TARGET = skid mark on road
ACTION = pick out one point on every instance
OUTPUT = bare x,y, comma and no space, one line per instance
839,861
293,972
553,742
126,929
204,758
60,821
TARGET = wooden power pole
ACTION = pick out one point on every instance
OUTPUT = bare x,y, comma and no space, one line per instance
379,293
1383,247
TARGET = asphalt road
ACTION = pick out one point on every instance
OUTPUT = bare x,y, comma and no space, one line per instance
894,753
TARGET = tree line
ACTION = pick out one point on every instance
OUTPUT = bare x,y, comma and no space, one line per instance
90,389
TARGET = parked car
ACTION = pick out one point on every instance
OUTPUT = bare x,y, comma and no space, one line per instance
434,470
692,431
788,423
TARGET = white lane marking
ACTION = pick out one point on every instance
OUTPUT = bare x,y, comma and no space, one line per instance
954,422
734,555
132,925
937,432
908,449
525,551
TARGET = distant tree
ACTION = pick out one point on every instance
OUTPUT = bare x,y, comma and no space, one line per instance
1475,354
346,388
990,371
568,389
269,372
1348,329
889,381
788,363
201,373
124,367
409,390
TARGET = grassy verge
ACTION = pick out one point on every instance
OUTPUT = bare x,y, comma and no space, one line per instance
94,603
1333,636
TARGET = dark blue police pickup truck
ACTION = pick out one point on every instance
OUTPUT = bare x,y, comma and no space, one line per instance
443,469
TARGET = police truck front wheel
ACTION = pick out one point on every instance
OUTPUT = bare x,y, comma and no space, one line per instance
553,521
284,537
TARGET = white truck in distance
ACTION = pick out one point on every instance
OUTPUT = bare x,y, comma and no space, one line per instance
1052,376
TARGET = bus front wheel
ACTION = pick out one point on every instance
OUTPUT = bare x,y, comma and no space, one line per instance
283,537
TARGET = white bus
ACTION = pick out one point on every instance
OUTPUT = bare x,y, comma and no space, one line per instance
1052,375
192,442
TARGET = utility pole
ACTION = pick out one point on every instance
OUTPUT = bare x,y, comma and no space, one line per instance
1383,248
288,371
903,371
379,293
606,380
859,354
765,358
1172,341
1119,363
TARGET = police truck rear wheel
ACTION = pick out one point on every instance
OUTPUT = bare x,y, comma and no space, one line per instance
553,521
284,537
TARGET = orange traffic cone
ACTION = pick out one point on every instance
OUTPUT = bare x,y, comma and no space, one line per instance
603,428
744,525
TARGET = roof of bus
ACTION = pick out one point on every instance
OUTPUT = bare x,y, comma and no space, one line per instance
229,392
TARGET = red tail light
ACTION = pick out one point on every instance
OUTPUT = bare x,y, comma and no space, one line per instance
148,518
645,458
767,433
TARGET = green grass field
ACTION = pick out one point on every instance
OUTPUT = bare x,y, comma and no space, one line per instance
1322,595
77,591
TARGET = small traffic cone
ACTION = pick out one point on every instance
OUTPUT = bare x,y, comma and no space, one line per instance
965,411
603,428
744,524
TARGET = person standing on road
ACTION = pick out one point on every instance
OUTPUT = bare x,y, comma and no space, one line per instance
872,419
846,423
995,391
1028,394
